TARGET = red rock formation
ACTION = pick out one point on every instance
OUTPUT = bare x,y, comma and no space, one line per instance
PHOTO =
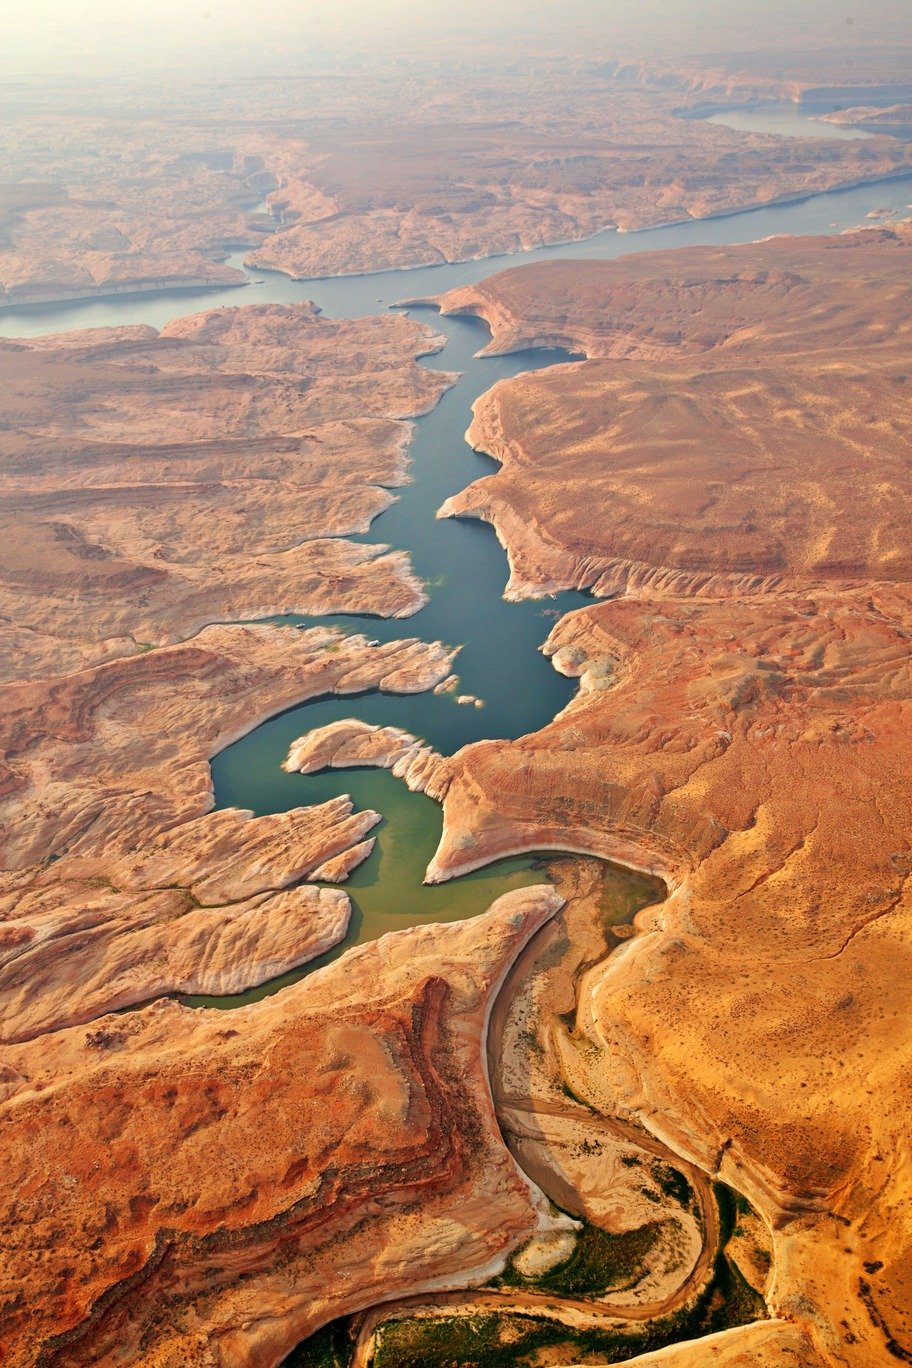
741,455
750,746
783,294
407,193
155,482
252,1174
96,205
371,174
755,754
117,888
352,742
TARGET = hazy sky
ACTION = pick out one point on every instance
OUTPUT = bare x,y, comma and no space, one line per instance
63,36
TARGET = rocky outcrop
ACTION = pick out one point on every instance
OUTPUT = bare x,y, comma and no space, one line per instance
207,907
154,482
403,192
99,196
87,757
894,118
782,294
270,1196
718,478
755,755
118,884
99,204
720,457
352,742
741,730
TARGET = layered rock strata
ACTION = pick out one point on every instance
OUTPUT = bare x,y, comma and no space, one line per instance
154,482
376,1168
374,174
894,118
95,204
754,755
721,457
118,884
782,294
741,734
373,197
352,742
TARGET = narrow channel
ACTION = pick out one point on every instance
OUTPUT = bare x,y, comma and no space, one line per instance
460,561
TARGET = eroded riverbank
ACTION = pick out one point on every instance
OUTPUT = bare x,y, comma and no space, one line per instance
421,1013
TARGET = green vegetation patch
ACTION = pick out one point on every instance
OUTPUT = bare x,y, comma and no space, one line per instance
599,1263
492,1341
673,1184
622,899
330,1347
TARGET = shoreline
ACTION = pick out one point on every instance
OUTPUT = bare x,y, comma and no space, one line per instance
101,292
777,203
32,306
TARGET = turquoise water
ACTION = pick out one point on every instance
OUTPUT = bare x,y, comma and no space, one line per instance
459,560
463,567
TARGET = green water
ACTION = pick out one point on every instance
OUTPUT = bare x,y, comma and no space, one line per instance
460,561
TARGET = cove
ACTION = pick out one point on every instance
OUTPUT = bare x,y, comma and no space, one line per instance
460,561
463,568
785,119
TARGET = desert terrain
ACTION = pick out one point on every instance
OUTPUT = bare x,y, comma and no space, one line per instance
736,361
155,482
656,1116
741,725
373,173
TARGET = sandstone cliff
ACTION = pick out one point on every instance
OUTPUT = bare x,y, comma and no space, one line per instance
154,482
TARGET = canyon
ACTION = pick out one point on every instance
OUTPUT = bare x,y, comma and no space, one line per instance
373,174
154,482
724,454
407,1145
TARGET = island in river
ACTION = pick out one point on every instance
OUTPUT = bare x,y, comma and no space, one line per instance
613,1111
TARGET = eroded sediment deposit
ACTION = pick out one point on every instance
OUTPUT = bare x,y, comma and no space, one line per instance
742,730
189,1186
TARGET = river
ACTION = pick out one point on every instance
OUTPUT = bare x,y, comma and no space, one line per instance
459,560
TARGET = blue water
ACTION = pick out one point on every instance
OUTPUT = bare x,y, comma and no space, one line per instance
460,561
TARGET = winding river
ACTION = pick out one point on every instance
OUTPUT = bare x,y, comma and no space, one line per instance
460,561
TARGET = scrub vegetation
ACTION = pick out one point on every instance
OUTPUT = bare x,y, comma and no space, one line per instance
599,1262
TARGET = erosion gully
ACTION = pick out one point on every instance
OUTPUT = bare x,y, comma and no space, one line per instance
460,562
